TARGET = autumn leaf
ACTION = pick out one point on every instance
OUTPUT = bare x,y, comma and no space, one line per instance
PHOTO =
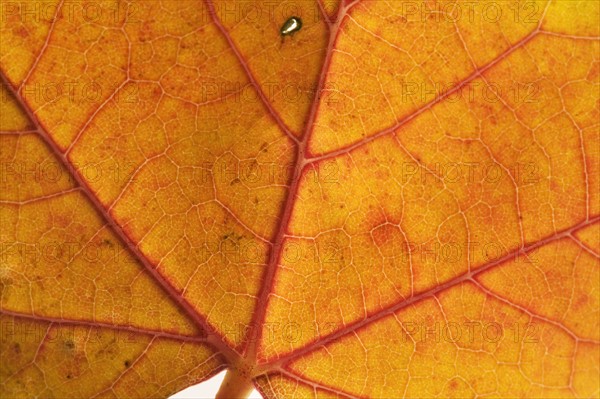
392,199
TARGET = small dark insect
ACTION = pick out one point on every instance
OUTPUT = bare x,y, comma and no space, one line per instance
291,26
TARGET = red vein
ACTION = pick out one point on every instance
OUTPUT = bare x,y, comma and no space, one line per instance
324,13
556,323
478,72
268,279
274,257
320,342
185,306
249,73
90,324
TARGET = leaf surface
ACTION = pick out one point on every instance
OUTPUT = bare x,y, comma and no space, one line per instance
401,199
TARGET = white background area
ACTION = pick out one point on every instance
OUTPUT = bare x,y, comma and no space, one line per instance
207,389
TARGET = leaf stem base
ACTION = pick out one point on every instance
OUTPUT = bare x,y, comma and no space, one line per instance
236,385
